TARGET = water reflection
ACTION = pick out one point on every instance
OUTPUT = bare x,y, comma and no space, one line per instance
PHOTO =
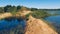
12,26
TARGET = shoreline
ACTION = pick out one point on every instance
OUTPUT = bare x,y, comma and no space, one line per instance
18,14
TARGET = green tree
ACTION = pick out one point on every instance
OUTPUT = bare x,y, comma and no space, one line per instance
1,10
13,10
7,8
34,9
39,14
18,8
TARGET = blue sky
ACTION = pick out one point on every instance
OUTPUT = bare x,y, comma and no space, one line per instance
50,4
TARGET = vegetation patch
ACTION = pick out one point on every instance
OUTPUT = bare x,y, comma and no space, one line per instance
39,14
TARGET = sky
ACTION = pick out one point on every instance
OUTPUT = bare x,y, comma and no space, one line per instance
43,4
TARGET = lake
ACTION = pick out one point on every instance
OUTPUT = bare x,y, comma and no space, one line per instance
55,21
16,26
53,12
12,26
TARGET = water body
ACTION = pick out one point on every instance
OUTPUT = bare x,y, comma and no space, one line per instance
53,12
55,21
12,26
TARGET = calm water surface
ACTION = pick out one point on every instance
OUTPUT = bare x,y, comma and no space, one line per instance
55,21
12,26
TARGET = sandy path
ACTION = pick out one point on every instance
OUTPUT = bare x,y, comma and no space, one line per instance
38,26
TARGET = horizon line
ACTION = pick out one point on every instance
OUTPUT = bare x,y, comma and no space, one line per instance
31,7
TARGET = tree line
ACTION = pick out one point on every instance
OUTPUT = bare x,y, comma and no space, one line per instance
10,8
36,12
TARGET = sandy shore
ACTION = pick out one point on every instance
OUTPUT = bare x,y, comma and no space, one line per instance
6,15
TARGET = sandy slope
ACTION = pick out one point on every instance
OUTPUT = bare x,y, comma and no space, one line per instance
37,26
21,13
4,15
